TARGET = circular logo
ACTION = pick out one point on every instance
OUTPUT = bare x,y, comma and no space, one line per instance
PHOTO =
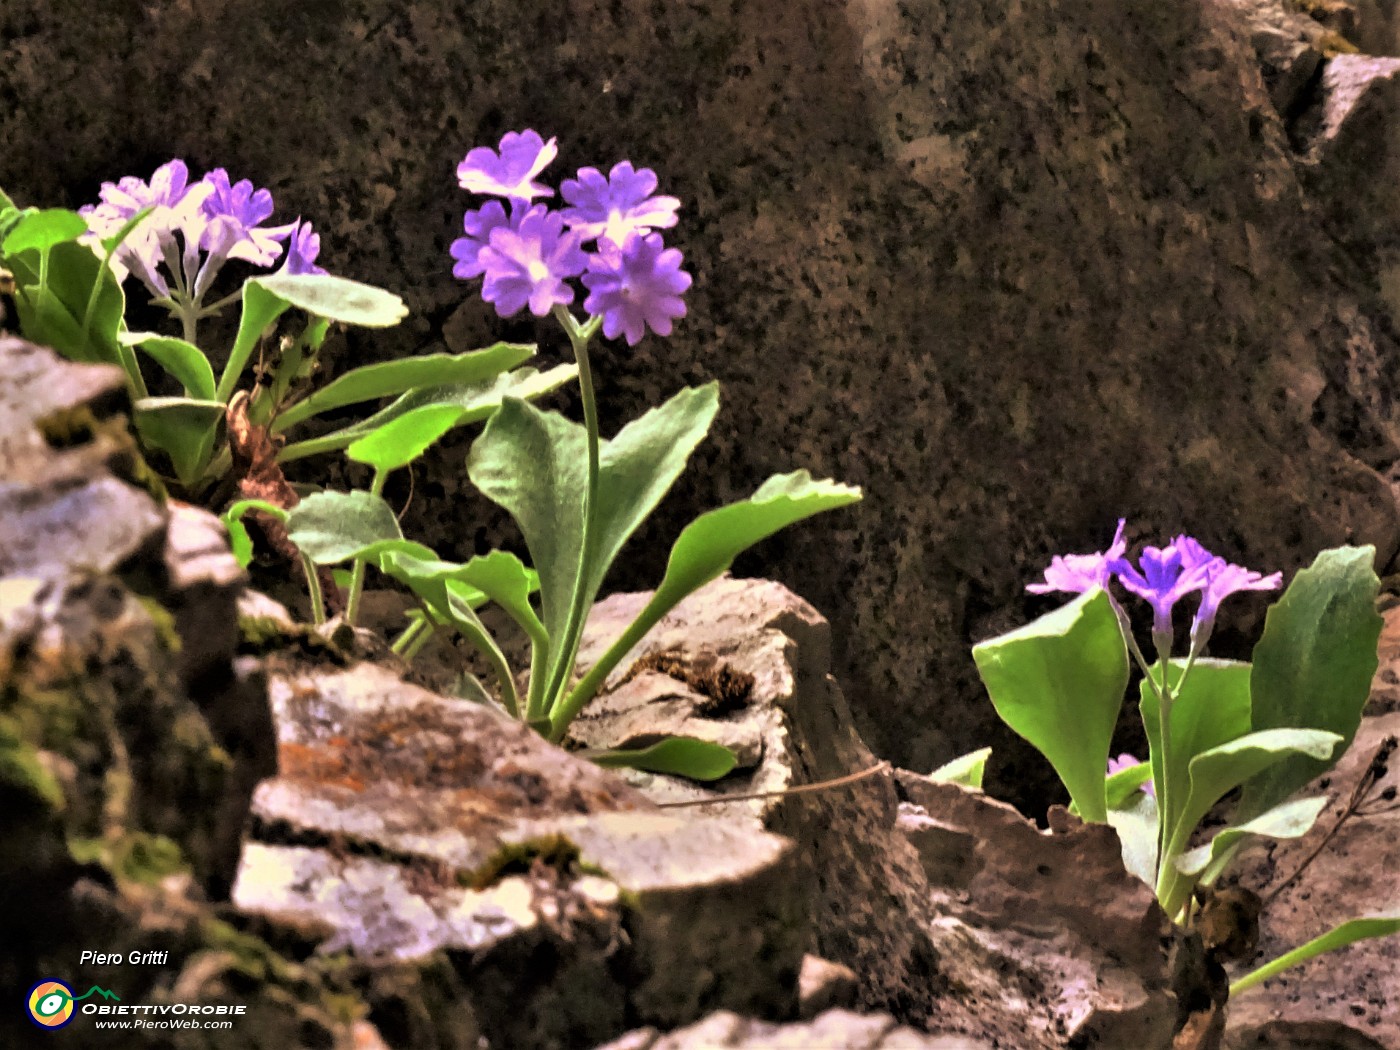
51,1004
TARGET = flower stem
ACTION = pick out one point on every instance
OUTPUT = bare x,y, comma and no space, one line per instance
567,643
357,574
313,590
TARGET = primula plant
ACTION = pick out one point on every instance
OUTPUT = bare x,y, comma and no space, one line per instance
1266,728
177,237
576,497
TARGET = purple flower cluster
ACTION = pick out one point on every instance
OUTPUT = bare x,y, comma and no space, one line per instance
1163,576
528,255
1127,761
193,229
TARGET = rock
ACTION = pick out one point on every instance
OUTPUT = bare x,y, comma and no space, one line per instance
955,913
1349,998
824,985
405,825
833,1030
1015,269
128,749
1290,47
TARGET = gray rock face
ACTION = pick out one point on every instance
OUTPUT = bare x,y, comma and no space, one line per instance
1015,269
985,929
833,1030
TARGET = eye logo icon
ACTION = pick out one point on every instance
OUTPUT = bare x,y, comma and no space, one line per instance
51,1004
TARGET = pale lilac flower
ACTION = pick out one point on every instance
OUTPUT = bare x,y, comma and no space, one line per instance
612,208
247,208
478,226
303,247
531,263
175,207
1127,761
509,173
636,287
1222,580
1077,573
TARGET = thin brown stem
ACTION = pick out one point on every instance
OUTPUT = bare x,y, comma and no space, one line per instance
821,785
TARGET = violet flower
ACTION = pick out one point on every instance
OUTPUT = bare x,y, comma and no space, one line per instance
612,208
303,247
1222,580
175,207
478,226
1077,573
509,173
531,263
247,208
636,287
1164,578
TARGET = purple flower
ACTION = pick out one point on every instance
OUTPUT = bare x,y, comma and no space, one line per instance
1165,577
1126,761
478,225
530,264
245,207
509,173
636,287
1077,573
175,207
303,246
614,207
1222,580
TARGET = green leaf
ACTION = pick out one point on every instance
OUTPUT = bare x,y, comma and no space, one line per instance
336,298
392,378
1338,937
1058,682
680,756
332,527
260,309
239,540
477,402
185,361
966,769
1121,788
41,230
706,548
399,443
181,427
1215,772
1314,664
534,464
1291,820
1212,709
54,313
1136,824
498,576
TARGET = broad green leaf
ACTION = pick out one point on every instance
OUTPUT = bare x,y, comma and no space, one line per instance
336,298
706,548
1058,682
392,378
399,443
680,756
477,402
1136,824
534,464
1215,772
966,769
41,230
260,309
1338,937
181,427
1291,820
185,361
54,314
332,527
1314,664
1212,709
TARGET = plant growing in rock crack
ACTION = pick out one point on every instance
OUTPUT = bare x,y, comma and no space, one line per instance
177,237
1267,727
576,497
